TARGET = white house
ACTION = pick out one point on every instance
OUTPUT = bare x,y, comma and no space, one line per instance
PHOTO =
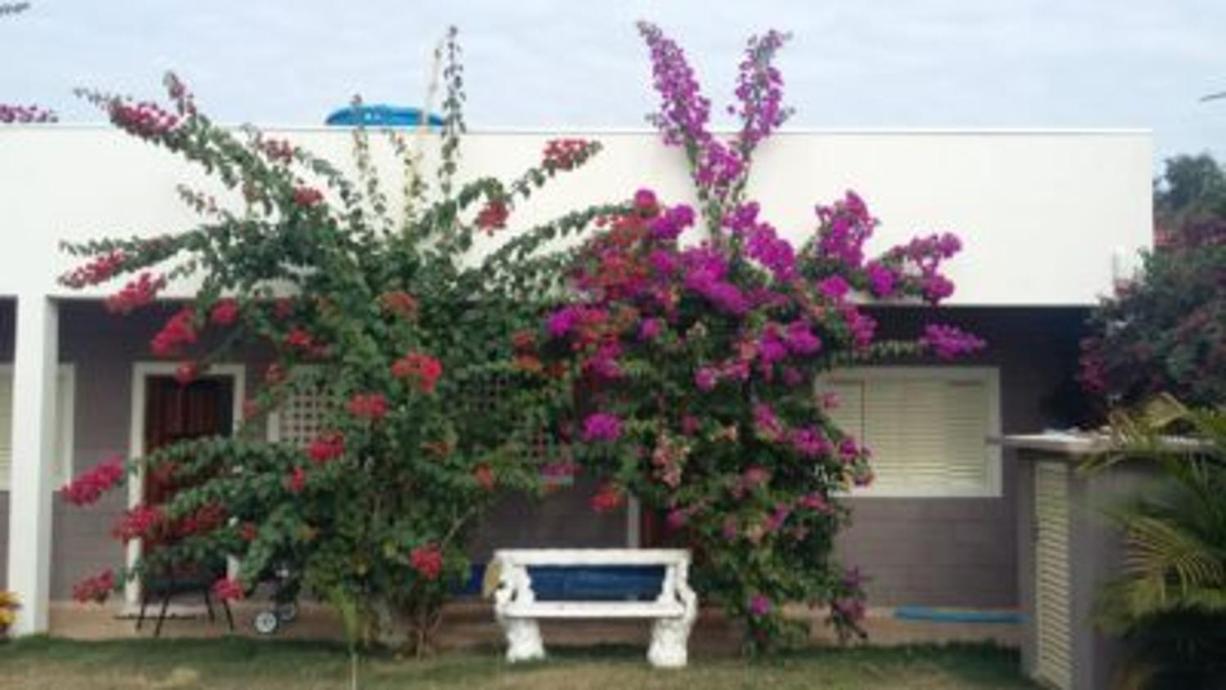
1049,220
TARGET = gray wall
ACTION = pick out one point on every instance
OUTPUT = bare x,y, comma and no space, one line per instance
916,551
963,551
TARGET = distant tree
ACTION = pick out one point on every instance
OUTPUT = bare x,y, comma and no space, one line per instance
1166,331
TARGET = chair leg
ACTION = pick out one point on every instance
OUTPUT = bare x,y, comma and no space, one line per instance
208,604
157,630
229,617
144,603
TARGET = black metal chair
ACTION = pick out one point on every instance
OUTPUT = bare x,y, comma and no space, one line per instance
182,581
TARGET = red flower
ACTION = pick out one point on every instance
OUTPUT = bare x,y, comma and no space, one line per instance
299,339
135,294
565,154
178,331
208,518
493,216
427,560
88,487
484,476
400,303
607,498
95,589
187,372
100,270
422,369
327,446
138,523
228,589
225,312
307,197
296,481
248,531
523,341
372,406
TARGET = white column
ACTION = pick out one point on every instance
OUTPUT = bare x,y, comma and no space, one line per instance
30,491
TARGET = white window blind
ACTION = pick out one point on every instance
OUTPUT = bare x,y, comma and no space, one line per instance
62,423
926,427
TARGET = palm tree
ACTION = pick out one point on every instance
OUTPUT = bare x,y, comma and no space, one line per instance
1169,601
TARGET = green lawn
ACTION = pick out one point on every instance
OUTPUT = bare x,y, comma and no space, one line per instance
236,663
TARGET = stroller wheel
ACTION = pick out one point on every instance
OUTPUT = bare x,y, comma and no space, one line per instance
266,622
287,612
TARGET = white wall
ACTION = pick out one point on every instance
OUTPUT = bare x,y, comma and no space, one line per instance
1041,213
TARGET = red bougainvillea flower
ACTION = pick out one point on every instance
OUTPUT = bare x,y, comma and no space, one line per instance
296,481
228,589
95,589
100,270
135,294
400,303
948,342
299,339
484,476
329,445
187,372
179,330
89,486
206,519
493,216
565,154
138,523
372,406
421,369
248,531
306,197
225,312
607,498
427,560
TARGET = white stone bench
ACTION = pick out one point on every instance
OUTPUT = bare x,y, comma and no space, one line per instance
518,611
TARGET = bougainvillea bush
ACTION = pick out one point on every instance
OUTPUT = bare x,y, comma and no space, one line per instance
694,338
379,307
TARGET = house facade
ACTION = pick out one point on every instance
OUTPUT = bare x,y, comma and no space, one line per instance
1049,221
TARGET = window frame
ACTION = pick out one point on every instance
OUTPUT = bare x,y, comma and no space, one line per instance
993,486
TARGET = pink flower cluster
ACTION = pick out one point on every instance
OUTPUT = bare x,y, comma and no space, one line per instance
602,426
427,560
326,447
88,487
146,120
24,114
101,269
228,589
566,154
948,342
138,523
136,294
179,330
372,406
95,589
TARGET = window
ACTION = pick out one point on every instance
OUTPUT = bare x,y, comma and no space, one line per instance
300,418
927,427
61,423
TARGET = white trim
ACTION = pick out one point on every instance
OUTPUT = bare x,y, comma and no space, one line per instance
136,438
65,423
990,375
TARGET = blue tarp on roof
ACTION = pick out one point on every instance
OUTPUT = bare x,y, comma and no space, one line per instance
381,116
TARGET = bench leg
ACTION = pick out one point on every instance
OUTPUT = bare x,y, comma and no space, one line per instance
523,639
669,640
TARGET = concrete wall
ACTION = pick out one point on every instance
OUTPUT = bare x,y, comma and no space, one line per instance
1043,214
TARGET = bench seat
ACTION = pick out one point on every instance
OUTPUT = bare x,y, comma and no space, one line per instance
595,609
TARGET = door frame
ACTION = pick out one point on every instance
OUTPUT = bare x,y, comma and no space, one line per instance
141,371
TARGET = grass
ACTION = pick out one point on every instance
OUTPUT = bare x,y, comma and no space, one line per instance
234,663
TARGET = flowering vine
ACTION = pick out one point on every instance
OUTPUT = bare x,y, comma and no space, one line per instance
695,337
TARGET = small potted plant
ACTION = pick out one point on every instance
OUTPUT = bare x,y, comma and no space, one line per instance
8,612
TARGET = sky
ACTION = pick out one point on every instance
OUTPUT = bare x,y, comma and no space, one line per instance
553,64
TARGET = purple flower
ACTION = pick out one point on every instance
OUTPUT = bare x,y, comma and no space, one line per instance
766,422
706,378
672,222
801,340
645,200
730,530
650,328
936,287
780,516
602,426
848,450
563,321
948,342
834,287
816,502
770,347
759,605
881,279
677,518
809,442
862,326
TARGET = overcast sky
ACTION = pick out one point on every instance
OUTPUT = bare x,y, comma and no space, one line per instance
547,64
